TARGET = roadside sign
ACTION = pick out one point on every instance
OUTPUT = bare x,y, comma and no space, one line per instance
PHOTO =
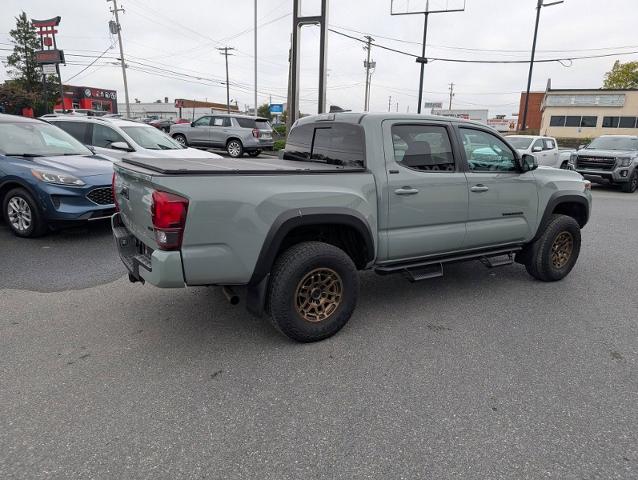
49,69
276,108
433,105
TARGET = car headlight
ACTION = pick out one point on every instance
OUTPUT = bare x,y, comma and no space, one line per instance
57,178
624,161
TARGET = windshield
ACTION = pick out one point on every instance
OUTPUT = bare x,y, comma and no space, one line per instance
151,138
520,142
38,139
614,143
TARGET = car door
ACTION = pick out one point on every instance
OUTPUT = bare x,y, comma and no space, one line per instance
200,131
102,136
427,191
550,149
503,201
219,131
77,129
537,151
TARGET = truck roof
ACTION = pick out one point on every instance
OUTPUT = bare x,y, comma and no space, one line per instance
359,117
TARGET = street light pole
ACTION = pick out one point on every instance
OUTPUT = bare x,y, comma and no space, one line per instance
425,33
539,5
255,57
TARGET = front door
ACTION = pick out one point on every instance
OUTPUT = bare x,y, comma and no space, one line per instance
503,201
200,131
427,189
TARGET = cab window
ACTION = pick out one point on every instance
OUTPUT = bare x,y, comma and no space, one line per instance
220,122
549,144
486,152
78,130
202,122
104,136
538,145
423,147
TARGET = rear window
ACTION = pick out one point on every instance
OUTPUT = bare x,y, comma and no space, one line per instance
337,144
261,124
78,130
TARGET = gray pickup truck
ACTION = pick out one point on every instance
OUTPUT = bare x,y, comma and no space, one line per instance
611,159
394,193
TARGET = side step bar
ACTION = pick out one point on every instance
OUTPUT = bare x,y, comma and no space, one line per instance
432,268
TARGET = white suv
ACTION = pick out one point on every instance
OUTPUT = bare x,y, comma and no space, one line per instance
117,138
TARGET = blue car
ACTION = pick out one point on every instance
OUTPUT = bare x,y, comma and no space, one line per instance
48,178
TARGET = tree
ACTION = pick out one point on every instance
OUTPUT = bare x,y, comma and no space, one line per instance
622,75
13,97
21,64
264,111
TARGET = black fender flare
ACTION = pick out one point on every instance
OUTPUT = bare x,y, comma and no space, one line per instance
556,199
282,226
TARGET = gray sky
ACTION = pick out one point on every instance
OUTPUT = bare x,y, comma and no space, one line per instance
182,36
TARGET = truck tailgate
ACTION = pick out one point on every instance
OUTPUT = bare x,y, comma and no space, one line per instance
133,192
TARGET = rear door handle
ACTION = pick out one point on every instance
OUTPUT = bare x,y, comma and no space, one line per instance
479,188
406,191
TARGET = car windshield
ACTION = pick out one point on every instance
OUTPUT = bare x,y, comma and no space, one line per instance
614,143
38,139
520,142
151,138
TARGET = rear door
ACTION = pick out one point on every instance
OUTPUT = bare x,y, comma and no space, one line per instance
503,201
427,189
78,130
219,131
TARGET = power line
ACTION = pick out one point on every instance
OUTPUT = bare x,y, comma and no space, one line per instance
90,64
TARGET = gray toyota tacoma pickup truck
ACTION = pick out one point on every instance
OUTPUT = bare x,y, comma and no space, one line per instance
394,193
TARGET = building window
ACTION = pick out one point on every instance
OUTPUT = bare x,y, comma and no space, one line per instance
611,122
627,122
588,121
557,121
572,121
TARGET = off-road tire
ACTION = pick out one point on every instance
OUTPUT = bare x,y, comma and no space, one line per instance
181,139
234,148
288,273
538,256
37,227
632,185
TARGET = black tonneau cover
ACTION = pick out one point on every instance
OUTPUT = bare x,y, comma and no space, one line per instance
230,166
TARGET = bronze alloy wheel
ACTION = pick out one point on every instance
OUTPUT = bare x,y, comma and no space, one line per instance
318,294
562,249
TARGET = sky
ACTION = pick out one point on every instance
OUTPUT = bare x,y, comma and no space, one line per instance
171,49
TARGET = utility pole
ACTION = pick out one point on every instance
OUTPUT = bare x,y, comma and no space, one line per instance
539,5
389,102
367,65
119,41
256,58
451,95
397,107
423,62
224,51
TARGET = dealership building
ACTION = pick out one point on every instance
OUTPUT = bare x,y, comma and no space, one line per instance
579,113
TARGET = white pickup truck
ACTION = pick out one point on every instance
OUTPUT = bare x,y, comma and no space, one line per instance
544,149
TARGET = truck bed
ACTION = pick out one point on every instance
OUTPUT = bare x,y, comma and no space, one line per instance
230,166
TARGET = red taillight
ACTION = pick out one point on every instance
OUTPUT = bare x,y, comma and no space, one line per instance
117,205
168,212
256,133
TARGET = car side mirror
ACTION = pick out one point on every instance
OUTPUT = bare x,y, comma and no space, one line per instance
537,149
123,146
90,147
528,162
192,124
580,147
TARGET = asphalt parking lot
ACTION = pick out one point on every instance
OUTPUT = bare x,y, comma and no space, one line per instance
481,374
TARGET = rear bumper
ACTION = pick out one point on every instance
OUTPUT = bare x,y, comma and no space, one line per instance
157,267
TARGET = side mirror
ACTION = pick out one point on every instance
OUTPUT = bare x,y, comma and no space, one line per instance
580,147
192,124
123,146
90,147
528,162
537,149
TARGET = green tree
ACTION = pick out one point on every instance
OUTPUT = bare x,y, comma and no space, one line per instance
622,75
13,97
264,111
21,64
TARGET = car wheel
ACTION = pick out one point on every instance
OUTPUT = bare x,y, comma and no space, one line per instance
554,254
234,148
181,139
254,153
632,185
22,214
313,291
